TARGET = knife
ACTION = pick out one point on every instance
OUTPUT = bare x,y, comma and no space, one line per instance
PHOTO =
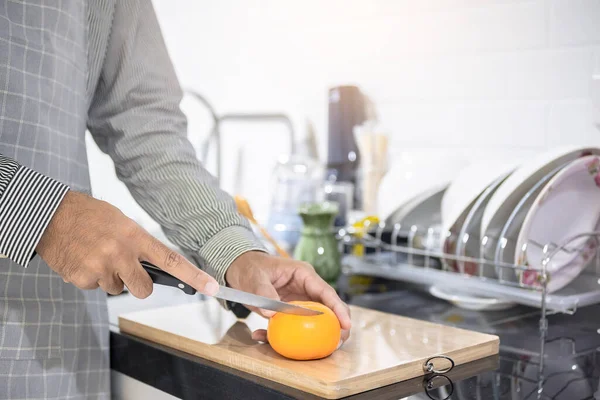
161,277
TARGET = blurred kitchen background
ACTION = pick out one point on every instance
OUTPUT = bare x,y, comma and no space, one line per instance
449,82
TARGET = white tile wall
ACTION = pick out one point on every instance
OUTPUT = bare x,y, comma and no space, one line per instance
480,78
574,22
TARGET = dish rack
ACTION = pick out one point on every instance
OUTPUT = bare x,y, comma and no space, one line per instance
411,256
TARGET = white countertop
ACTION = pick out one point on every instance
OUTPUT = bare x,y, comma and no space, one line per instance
161,297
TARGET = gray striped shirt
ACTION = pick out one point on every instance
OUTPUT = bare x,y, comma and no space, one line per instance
134,116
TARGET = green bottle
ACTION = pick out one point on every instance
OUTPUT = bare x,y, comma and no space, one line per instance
318,245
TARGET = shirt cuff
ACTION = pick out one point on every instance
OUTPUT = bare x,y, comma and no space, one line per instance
27,205
219,252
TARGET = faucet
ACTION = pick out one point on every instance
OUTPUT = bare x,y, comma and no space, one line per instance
215,134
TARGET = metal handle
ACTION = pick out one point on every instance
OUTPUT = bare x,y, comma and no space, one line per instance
218,120
428,367
161,277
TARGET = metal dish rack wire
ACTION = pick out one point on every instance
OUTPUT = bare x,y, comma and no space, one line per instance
411,257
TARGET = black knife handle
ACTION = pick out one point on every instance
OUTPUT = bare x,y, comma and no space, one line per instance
160,277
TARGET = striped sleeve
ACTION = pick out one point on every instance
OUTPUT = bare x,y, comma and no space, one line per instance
28,201
135,118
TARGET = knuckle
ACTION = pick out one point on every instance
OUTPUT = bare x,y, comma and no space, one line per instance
68,272
84,282
330,291
109,247
88,286
307,266
174,260
130,228
95,269
200,275
155,245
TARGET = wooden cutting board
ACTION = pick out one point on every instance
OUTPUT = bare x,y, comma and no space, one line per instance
382,349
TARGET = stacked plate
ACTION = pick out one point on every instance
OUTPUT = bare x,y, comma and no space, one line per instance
521,214
462,210
410,195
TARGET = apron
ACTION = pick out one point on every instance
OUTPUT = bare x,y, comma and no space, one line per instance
54,338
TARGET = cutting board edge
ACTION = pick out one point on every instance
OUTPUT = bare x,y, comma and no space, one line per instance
489,348
329,390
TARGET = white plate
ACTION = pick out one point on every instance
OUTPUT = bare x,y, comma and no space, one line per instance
469,302
467,186
562,277
512,190
423,214
412,173
427,204
568,205
461,196
470,246
423,210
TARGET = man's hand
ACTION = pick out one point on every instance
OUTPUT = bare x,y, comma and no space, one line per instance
284,279
92,244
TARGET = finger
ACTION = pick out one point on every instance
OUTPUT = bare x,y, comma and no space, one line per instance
175,264
260,335
317,288
85,278
295,297
345,335
111,284
264,288
136,279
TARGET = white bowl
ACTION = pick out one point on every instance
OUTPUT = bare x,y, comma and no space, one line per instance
567,206
512,191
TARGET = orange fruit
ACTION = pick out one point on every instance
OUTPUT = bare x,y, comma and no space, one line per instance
301,337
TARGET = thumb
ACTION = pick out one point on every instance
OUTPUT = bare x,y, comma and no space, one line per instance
265,289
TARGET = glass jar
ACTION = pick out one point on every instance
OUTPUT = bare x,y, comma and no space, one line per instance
296,181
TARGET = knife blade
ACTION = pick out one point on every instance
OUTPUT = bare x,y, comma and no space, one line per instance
249,299
161,277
